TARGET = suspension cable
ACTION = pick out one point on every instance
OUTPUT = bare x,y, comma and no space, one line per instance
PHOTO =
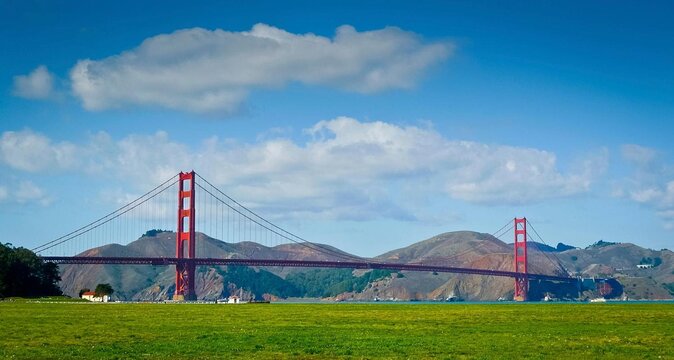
498,235
274,225
502,227
105,219
558,262
280,231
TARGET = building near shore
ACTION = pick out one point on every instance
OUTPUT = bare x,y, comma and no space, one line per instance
91,296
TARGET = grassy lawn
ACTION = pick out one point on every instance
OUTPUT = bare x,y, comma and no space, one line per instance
190,331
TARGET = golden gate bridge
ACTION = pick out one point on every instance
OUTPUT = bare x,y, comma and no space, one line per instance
222,217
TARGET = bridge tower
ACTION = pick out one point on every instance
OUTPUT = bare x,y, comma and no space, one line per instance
185,237
521,281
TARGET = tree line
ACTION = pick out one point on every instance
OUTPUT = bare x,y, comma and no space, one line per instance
24,274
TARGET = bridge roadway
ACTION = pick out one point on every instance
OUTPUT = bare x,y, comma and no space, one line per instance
298,263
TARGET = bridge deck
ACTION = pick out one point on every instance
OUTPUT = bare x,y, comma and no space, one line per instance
298,263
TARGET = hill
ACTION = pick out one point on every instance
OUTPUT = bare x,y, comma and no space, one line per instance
143,282
620,260
461,249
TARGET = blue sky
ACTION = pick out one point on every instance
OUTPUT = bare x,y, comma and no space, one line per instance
366,126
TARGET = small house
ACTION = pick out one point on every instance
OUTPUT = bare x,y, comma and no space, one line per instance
233,299
91,296
644,266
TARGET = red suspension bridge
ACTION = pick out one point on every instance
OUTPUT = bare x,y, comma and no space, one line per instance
222,217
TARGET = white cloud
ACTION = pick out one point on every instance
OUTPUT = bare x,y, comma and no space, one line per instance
39,84
652,182
661,196
25,192
346,169
515,175
29,151
645,195
638,155
29,192
213,71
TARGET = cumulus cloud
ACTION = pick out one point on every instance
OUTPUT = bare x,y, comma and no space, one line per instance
651,183
214,70
29,151
661,196
345,169
24,192
39,84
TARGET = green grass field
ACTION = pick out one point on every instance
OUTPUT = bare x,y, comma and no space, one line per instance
191,331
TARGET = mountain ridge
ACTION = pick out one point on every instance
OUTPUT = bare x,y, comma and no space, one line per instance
460,248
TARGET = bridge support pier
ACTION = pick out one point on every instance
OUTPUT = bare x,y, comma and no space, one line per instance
185,236
521,281
184,278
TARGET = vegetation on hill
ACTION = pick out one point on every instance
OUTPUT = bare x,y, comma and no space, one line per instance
601,243
259,282
547,248
332,282
154,232
564,247
24,274
656,261
312,283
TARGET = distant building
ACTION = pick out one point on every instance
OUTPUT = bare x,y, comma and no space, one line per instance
233,299
91,296
645,266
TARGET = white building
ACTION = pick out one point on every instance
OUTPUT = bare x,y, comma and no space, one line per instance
91,296
645,266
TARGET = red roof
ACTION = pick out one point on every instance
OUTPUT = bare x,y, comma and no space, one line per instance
89,293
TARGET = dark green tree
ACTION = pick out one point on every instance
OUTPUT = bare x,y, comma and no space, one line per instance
104,289
24,274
